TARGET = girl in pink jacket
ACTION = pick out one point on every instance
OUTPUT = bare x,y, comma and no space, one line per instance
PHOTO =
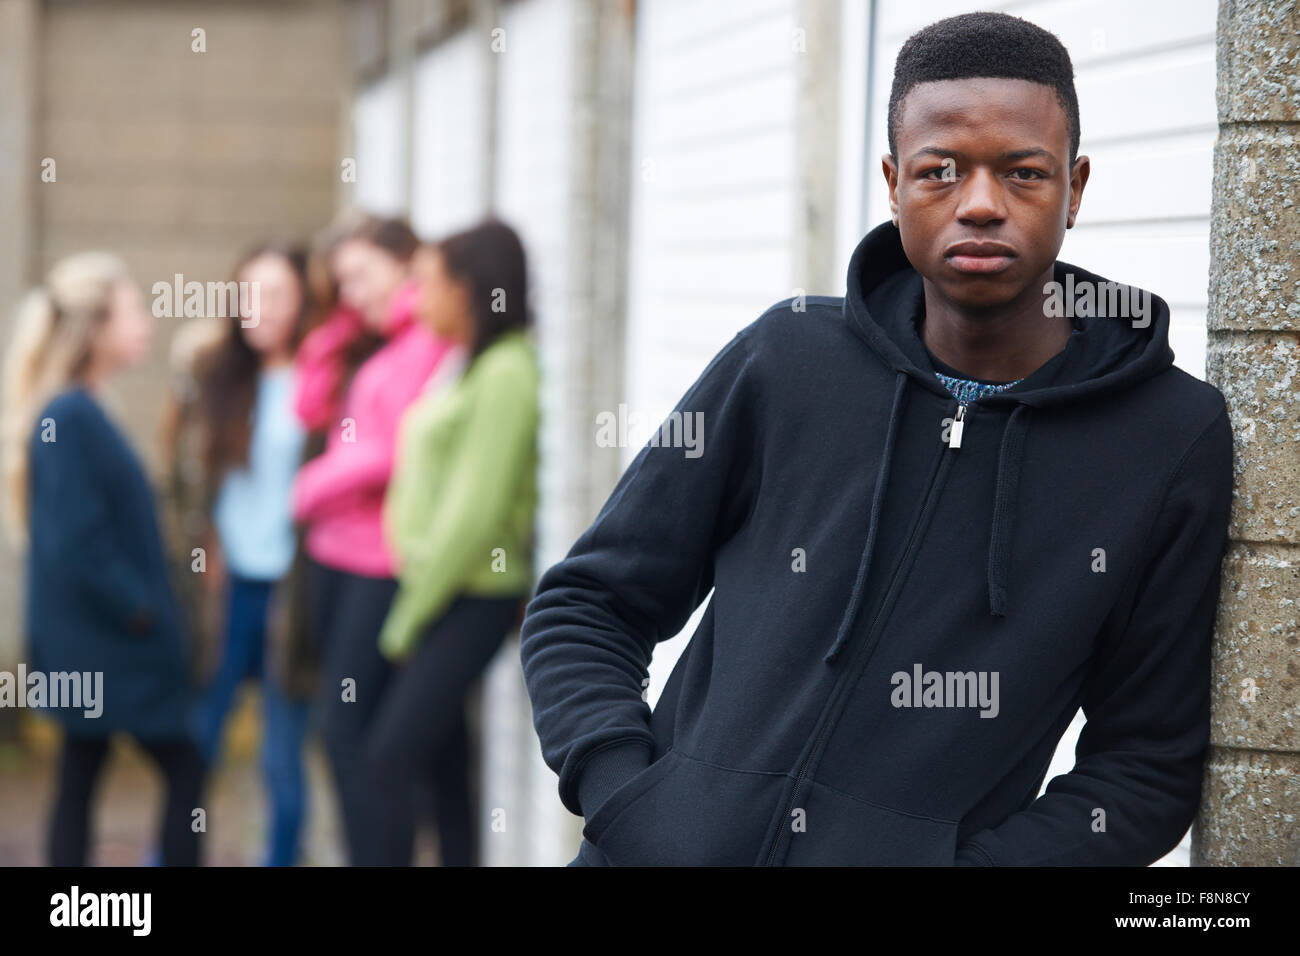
339,495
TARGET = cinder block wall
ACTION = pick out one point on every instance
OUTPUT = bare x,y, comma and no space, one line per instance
176,159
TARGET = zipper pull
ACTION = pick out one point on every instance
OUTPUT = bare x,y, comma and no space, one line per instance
958,423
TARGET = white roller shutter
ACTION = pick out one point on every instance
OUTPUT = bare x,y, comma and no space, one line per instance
448,150
532,195
1145,78
378,126
712,230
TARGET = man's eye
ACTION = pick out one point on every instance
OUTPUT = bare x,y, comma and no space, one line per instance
937,172
1033,173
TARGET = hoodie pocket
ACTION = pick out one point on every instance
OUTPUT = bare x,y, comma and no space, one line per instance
626,794
681,811
840,830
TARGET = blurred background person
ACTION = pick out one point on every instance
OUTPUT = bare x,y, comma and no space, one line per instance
459,517
98,597
358,372
233,413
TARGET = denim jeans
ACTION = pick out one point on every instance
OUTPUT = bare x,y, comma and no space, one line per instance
243,656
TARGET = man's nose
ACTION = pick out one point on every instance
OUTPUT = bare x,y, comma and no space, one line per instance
982,198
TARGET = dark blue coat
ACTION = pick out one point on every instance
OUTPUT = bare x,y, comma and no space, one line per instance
98,593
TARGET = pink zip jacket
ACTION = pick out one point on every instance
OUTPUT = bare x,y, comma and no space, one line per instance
339,495
319,365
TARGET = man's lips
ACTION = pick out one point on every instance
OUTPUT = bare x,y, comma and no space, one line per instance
980,257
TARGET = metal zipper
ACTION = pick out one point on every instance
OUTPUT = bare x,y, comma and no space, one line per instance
958,424
829,717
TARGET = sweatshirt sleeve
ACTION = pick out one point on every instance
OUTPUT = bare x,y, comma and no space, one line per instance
1140,756
345,473
633,579
359,470
471,508
78,534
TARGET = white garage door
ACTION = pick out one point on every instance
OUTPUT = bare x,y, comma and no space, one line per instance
1145,78
448,150
378,128
711,241
532,195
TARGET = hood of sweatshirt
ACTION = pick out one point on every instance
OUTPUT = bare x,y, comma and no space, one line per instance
1121,338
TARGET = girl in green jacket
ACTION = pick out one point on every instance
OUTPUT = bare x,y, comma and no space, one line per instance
458,518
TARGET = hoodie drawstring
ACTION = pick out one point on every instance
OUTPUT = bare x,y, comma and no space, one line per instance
876,499
1004,508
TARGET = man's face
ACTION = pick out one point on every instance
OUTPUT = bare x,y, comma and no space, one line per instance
982,191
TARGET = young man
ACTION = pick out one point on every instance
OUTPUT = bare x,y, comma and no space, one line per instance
938,516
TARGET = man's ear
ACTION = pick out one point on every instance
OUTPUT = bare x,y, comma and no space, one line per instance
1078,179
890,169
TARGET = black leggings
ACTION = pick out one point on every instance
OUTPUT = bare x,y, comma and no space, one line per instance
349,611
420,723
400,725
80,763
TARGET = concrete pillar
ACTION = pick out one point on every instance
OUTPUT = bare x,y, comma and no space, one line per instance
600,191
486,723
402,29
1250,809
816,44
599,199
485,16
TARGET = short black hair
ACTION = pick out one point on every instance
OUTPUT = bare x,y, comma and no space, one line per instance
994,45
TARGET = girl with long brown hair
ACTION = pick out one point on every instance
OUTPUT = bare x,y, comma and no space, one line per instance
249,446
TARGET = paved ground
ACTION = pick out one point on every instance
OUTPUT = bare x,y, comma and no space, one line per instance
131,793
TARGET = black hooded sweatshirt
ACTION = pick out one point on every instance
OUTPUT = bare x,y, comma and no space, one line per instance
902,626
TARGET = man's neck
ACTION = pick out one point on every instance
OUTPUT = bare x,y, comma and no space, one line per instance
999,345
